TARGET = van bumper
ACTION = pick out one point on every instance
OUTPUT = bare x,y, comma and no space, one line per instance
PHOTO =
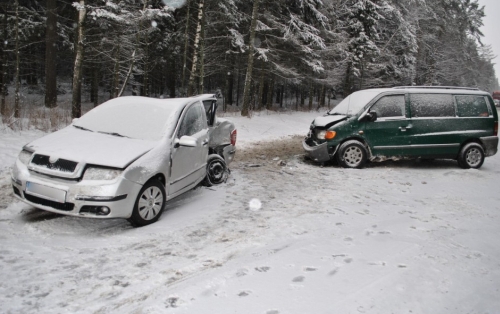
318,153
490,144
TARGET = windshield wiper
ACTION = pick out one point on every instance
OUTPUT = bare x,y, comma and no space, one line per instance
113,134
82,128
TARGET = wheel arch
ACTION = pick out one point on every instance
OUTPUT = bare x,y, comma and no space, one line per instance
356,138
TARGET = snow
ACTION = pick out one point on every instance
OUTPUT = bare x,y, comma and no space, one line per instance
395,237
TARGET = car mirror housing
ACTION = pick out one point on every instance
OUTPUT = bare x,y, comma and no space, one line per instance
371,116
187,141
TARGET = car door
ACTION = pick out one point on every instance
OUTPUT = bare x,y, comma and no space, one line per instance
188,164
387,136
435,127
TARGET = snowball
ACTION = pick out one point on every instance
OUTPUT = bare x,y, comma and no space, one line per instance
254,204
154,24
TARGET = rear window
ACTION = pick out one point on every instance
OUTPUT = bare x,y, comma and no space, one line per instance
472,106
432,105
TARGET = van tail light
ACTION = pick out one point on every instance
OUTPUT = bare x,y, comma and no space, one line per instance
496,128
234,133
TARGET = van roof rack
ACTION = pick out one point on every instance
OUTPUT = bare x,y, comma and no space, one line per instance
436,87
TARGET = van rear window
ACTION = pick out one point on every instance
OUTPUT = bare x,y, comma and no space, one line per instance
472,106
432,105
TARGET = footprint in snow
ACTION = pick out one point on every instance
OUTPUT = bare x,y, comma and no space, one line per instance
348,260
262,269
310,269
273,312
244,293
299,279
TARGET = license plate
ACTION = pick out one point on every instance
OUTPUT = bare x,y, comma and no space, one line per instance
46,192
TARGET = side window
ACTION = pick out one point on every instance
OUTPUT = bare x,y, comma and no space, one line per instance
472,106
390,107
194,121
207,104
432,105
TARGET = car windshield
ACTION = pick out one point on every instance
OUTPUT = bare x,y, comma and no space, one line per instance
134,117
353,103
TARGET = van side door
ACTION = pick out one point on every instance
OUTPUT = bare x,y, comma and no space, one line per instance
387,136
435,128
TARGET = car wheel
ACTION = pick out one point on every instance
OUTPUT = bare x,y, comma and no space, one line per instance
149,204
471,156
217,170
352,154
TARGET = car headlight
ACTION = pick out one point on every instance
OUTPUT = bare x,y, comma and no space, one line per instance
25,157
94,173
326,135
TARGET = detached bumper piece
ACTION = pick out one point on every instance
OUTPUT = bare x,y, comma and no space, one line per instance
318,153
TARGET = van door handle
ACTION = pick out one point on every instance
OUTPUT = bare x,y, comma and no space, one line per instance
404,128
204,143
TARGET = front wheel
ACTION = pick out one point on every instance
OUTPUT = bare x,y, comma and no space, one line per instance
149,204
352,154
471,156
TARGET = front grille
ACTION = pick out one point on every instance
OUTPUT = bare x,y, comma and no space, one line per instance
60,165
44,202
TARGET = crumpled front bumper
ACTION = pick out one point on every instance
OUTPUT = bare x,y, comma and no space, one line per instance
118,195
318,153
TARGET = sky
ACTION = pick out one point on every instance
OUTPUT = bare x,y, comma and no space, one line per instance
491,29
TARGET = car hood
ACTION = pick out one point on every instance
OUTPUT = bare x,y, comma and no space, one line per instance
90,147
326,121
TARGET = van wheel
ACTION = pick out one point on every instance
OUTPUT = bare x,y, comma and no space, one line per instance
149,204
217,171
352,154
471,156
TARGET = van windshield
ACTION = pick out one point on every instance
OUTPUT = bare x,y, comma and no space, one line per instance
353,103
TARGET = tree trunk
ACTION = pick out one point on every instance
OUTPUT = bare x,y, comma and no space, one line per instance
116,73
311,95
94,90
16,77
282,94
186,46
270,93
3,64
192,76
321,93
76,109
261,90
51,55
202,56
125,81
248,79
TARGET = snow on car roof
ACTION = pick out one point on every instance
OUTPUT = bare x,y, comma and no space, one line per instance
135,116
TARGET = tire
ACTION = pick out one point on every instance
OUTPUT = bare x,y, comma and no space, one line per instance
149,204
471,156
352,154
217,171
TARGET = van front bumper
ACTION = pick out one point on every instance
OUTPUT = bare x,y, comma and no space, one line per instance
490,144
84,198
318,153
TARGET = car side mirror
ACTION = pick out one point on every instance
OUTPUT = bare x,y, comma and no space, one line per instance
187,141
371,116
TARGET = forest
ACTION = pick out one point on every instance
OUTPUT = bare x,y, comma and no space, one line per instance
257,54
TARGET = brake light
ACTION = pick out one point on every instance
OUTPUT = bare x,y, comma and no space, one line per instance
496,128
233,137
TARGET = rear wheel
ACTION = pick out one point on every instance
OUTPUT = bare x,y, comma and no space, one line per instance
352,154
471,156
217,171
149,204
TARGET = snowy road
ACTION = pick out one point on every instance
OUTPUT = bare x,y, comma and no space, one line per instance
396,237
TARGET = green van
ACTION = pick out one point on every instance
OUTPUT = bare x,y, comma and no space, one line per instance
407,122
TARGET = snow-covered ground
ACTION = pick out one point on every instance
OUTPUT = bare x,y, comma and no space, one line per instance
282,236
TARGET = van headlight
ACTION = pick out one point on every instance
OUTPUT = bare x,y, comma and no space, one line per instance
326,135
95,173
25,157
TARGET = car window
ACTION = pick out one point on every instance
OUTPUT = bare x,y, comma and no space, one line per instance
390,106
207,104
432,105
193,122
472,106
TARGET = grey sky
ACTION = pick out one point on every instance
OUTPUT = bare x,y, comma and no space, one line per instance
491,29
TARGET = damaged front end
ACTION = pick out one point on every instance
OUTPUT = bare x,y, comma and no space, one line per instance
317,144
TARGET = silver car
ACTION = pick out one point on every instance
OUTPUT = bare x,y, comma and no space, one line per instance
126,158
